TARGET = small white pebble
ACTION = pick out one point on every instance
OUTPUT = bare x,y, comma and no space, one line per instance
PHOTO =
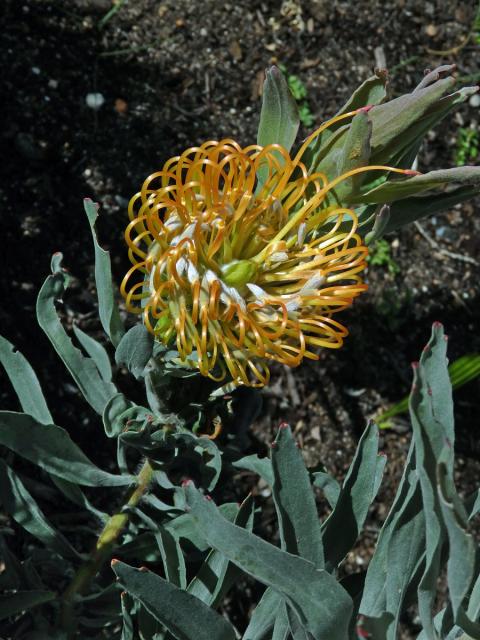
94,100
474,100
36,71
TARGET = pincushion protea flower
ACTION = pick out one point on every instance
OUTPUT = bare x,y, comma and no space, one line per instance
242,260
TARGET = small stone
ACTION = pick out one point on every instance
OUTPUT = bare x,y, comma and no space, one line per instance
203,32
94,100
121,106
474,100
429,8
36,71
120,200
53,84
431,30
236,50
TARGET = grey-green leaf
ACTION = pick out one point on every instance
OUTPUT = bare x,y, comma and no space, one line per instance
107,308
294,500
392,119
355,153
462,557
398,189
127,626
408,210
51,448
431,413
135,350
281,628
20,504
399,552
185,616
279,119
97,353
24,381
115,408
96,391
343,526
261,466
13,603
263,616
170,551
323,606
27,387
330,487
372,91
216,575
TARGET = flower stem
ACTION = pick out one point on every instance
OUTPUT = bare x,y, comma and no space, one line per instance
105,544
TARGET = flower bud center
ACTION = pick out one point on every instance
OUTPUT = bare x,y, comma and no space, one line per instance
238,272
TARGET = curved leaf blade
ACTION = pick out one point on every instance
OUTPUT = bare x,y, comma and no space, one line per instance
294,500
217,574
185,616
13,603
322,605
263,616
96,391
107,308
51,448
345,523
399,189
463,552
135,350
279,119
20,504
96,352
24,381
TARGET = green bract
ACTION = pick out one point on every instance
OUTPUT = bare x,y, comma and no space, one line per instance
389,133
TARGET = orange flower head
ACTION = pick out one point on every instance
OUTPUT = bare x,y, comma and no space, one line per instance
239,260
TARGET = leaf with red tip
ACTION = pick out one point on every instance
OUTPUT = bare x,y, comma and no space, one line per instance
217,574
321,603
399,189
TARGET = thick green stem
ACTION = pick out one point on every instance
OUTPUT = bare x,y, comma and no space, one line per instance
105,545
